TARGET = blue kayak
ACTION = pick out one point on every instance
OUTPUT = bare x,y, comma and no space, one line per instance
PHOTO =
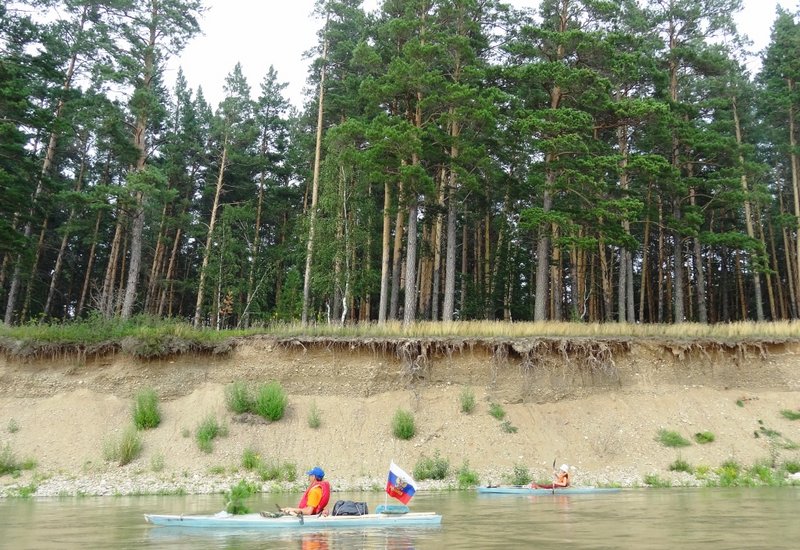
528,490
227,521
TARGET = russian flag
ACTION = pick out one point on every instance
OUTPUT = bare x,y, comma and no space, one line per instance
400,485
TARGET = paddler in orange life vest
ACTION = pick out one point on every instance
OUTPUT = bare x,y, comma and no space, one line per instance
561,481
316,497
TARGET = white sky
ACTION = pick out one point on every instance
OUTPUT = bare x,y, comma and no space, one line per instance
260,33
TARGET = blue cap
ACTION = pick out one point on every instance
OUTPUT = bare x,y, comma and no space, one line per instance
316,471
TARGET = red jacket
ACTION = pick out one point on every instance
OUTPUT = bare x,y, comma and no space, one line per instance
323,502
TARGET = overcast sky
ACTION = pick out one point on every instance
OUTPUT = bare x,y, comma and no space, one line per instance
260,33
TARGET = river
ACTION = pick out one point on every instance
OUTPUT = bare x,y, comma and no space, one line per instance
634,518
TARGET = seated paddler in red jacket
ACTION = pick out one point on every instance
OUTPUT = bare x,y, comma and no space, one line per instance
316,497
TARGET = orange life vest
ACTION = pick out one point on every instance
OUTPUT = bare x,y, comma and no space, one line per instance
323,502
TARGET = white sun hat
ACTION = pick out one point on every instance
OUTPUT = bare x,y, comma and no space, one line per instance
564,468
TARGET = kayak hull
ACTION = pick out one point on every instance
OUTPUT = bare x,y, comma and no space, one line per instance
527,490
256,521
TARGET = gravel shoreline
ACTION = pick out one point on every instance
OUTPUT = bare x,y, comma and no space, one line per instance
122,483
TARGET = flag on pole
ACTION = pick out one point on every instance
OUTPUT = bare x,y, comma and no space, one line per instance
400,485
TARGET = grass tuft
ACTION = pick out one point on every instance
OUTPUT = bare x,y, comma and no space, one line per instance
403,426
314,417
680,465
270,401
13,426
653,480
126,448
237,397
790,414
208,430
250,459
704,437
507,427
467,400
669,438
9,463
146,413
497,411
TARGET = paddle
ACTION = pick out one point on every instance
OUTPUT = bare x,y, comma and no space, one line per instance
554,476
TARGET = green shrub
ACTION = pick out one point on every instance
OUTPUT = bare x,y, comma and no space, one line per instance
314,419
146,413
250,459
791,466
208,430
13,426
520,475
467,400
680,465
431,468
126,448
790,414
762,473
668,438
728,473
237,398
271,401
507,427
466,478
272,470
235,497
157,463
653,480
496,410
704,437
8,462
403,425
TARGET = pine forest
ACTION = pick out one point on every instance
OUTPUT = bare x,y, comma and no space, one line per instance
582,160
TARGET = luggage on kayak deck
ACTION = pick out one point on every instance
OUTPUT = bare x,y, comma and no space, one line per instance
349,508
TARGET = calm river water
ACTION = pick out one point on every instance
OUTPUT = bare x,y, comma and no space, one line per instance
636,518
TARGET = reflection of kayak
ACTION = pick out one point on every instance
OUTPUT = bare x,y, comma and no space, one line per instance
528,490
224,520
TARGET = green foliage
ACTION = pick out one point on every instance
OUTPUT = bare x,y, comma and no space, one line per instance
13,426
237,397
739,403
520,475
146,413
669,438
9,463
124,449
653,480
680,465
403,426
790,414
431,468
728,473
236,495
466,478
507,427
270,401
273,470
497,411
208,430
314,418
250,459
704,437
792,466
467,400
157,463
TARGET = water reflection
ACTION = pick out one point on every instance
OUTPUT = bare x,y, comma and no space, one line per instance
714,519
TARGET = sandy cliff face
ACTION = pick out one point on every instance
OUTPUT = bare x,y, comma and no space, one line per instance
595,405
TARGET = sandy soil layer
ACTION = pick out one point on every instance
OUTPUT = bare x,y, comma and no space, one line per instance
599,415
